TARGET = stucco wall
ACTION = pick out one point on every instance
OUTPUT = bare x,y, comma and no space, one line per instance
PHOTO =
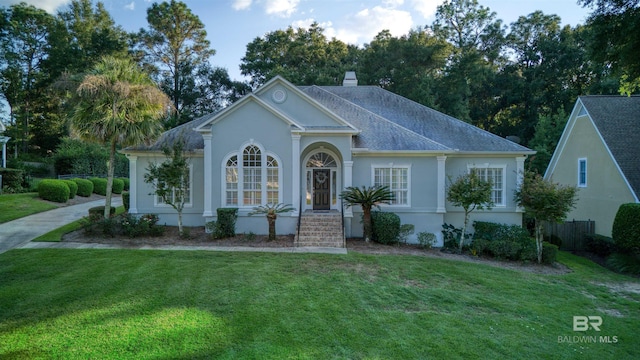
606,190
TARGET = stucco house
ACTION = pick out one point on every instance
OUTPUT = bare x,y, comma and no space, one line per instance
599,153
302,145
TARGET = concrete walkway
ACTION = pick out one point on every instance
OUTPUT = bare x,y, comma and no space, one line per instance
17,234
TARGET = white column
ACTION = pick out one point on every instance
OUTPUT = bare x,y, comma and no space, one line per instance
348,181
295,173
133,184
519,176
441,208
208,176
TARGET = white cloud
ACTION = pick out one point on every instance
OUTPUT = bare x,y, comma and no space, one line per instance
366,24
392,3
49,6
427,8
241,4
131,6
283,8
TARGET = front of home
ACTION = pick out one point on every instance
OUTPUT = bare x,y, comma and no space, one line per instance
304,145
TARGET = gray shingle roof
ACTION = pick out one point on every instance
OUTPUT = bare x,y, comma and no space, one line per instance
388,122
193,140
618,121
392,122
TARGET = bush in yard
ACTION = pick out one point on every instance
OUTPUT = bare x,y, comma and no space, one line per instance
12,179
53,190
549,253
626,228
226,224
73,188
85,187
126,200
126,182
99,185
599,244
386,227
97,212
405,231
624,263
118,186
426,239
511,242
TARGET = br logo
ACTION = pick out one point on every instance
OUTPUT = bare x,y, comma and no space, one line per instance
583,323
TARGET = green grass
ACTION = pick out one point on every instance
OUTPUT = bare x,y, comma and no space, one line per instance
15,206
127,304
56,235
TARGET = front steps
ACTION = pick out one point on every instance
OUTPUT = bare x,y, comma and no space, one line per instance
320,229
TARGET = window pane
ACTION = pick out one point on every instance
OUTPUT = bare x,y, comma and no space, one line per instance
396,179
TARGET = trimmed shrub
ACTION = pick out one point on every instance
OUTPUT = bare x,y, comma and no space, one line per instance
599,244
85,187
73,188
99,185
510,242
226,223
12,179
117,187
549,253
626,228
126,200
386,227
405,231
426,239
624,263
97,212
53,190
126,183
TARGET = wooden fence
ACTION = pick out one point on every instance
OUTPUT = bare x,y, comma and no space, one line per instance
572,233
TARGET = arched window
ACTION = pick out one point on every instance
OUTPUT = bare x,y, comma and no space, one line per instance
252,176
254,180
231,176
273,185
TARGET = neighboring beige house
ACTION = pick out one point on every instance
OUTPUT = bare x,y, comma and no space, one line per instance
599,152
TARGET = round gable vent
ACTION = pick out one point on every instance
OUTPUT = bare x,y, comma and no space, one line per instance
279,96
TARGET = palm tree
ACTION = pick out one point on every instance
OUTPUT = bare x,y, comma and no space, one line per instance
117,104
367,198
272,211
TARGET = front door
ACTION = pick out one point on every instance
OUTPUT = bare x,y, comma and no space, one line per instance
321,189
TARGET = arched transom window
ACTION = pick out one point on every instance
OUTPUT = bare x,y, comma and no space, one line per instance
253,181
321,159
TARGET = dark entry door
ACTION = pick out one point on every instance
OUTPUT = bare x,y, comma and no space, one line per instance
321,189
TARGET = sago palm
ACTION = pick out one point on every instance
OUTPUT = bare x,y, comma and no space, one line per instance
367,198
118,104
271,211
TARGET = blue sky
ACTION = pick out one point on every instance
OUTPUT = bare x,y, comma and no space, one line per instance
232,24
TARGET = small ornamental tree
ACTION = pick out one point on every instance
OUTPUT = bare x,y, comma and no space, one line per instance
272,211
367,198
544,200
471,193
170,179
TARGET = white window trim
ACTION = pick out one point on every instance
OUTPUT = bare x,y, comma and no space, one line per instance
394,166
263,166
186,205
504,179
586,172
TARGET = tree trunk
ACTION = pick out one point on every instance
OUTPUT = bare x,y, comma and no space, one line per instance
110,171
271,218
180,230
366,224
539,239
464,229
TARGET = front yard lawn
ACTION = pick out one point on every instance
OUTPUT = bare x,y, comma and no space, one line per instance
126,304
15,206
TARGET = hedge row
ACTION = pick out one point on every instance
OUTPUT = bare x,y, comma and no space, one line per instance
54,190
